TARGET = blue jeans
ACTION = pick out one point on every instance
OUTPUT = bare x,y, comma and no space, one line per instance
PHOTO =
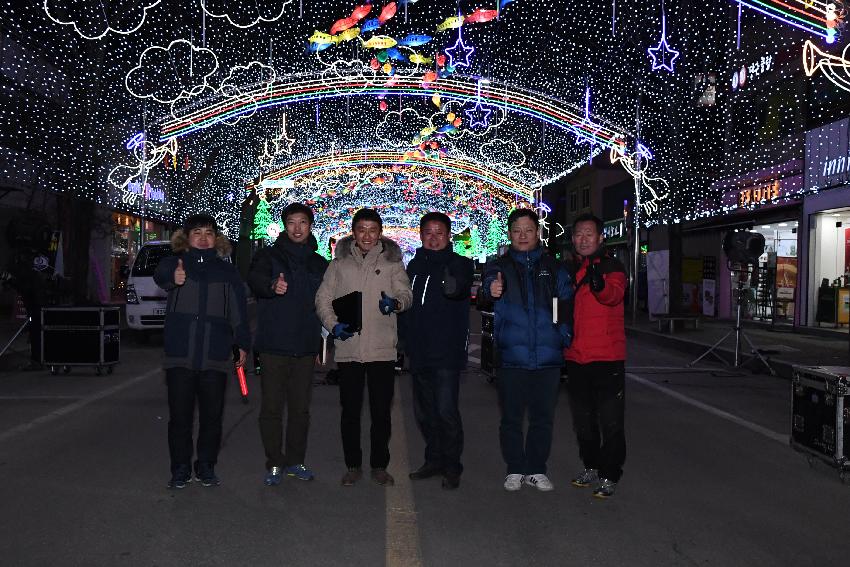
435,406
537,392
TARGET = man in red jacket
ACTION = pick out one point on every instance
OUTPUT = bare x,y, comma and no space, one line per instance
596,360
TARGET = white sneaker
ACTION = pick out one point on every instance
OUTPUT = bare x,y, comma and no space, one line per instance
513,482
541,481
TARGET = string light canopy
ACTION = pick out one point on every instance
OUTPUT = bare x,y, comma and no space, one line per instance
208,83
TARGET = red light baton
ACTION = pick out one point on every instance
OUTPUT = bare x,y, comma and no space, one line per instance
243,383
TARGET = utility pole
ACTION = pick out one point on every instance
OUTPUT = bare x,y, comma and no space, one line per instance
636,232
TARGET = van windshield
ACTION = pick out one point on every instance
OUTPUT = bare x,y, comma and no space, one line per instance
148,259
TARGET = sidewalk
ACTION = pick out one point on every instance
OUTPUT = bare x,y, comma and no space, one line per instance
782,348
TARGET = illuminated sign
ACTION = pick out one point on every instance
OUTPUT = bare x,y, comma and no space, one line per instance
614,231
759,194
133,191
751,71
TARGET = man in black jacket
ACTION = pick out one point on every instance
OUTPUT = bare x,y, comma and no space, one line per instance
436,329
206,315
284,278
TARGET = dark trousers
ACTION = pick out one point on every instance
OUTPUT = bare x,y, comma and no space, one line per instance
286,381
435,405
537,392
598,400
184,388
379,377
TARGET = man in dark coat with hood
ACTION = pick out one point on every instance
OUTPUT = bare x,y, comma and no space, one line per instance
436,332
284,278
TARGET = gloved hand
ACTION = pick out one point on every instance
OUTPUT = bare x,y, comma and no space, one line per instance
449,282
387,304
340,331
597,282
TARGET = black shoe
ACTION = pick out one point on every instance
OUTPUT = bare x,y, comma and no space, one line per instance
451,481
205,474
425,471
180,478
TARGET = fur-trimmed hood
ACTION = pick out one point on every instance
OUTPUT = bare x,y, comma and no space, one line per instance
180,243
391,249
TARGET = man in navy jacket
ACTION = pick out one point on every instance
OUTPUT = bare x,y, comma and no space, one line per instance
284,277
436,330
531,330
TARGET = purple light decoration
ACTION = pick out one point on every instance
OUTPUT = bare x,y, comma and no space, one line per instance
478,116
830,38
135,141
454,60
643,151
663,55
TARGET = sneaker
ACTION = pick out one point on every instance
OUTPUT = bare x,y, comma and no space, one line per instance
587,478
382,477
605,489
205,474
273,476
300,472
425,471
539,481
353,475
451,481
513,482
180,478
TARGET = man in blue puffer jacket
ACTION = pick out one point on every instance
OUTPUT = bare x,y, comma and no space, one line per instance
532,294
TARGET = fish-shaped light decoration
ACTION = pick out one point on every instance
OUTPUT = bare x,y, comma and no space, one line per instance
379,42
451,23
420,59
415,40
348,34
481,15
370,25
322,37
387,13
343,24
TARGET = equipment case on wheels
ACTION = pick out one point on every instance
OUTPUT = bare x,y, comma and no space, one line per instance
820,416
80,336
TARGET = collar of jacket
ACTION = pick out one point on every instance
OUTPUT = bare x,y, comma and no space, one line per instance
598,255
527,257
200,256
299,250
442,255
347,247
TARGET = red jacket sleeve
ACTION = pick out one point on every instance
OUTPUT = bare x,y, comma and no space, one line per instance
614,291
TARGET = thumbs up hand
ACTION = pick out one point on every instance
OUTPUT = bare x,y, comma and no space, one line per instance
179,273
497,287
387,304
280,286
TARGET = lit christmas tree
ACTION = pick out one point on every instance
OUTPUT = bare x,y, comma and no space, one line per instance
495,236
262,220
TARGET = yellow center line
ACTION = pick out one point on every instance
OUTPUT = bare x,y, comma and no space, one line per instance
402,541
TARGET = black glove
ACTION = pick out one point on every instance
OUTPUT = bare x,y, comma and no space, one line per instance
597,282
449,282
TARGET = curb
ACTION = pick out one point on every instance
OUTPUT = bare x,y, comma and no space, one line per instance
783,368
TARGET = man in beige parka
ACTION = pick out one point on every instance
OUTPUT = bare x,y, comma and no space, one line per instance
371,264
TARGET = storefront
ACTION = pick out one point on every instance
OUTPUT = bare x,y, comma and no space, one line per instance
826,226
768,202
127,236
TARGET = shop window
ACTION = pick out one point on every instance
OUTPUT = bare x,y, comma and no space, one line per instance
778,115
585,197
829,266
573,202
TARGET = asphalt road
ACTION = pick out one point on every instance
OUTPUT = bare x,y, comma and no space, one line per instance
710,480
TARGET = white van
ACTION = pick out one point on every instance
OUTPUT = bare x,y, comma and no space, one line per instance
145,300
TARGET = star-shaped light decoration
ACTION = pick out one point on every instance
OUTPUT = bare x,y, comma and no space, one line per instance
663,55
479,116
459,53
282,142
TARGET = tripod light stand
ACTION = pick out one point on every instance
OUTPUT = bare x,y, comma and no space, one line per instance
737,329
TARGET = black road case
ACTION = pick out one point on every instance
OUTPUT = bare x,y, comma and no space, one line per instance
820,417
80,336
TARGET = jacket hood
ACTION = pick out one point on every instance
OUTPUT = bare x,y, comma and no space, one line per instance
180,243
392,251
